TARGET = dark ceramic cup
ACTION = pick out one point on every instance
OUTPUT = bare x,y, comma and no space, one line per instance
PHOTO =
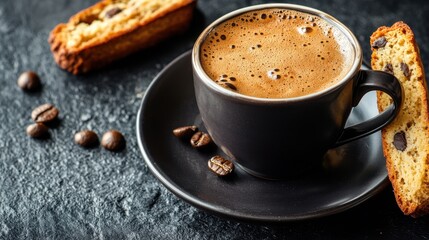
280,138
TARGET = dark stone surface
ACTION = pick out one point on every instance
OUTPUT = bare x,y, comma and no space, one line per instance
54,189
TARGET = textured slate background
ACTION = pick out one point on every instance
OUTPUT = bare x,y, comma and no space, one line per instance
55,190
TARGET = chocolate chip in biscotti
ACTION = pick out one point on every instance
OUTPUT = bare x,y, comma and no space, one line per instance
185,132
405,69
86,138
88,19
388,68
400,141
29,81
37,130
112,12
44,113
379,43
220,166
200,140
113,140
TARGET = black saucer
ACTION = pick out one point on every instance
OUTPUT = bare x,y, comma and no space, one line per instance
353,173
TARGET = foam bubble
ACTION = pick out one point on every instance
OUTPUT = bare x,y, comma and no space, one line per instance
304,29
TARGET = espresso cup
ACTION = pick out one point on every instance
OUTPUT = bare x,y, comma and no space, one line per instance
283,137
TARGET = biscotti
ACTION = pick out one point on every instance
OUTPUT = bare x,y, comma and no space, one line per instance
113,29
406,139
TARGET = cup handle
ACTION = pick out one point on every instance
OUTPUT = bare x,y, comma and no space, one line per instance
370,81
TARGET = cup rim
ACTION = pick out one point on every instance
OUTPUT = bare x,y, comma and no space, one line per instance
202,75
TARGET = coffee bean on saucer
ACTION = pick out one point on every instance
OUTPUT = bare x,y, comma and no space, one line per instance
44,113
29,81
185,132
113,140
86,138
200,139
37,130
220,166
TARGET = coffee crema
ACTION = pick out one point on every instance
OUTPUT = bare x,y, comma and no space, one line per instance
276,53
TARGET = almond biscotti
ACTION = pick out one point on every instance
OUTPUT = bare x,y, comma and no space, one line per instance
113,29
406,139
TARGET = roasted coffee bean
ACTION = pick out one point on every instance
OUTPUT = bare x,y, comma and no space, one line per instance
400,141
112,12
388,68
231,86
44,113
185,132
405,69
220,166
86,138
200,139
29,81
113,140
37,130
379,43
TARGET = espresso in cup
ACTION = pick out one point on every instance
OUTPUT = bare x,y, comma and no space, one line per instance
276,53
276,83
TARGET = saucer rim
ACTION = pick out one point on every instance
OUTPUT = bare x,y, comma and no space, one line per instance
220,210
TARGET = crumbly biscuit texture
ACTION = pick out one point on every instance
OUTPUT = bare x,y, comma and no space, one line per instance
406,139
112,29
